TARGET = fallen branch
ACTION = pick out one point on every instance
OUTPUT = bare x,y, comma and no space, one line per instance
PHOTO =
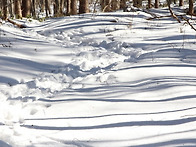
188,21
152,14
94,9
158,17
181,16
172,13
16,24
107,6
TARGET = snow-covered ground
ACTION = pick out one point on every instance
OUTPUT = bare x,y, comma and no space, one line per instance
104,79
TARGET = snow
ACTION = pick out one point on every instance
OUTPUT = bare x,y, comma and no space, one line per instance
104,79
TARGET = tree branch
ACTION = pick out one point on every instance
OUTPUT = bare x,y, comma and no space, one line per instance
188,21
172,13
16,24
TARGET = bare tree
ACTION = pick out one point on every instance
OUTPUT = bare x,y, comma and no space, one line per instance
57,8
41,5
33,9
149,4
137,3
73,7
62,6
26,8
115,5
47,8
10,8
191,10
5,9
17,9
84,6
181,2
107,6
68,7
156,4
123,4
102,4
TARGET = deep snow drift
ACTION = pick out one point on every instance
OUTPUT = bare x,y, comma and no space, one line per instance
105,79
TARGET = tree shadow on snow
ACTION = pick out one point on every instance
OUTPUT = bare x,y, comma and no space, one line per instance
175,142
8,80
115,92
111,115
117,125
77,25
4,144
18,63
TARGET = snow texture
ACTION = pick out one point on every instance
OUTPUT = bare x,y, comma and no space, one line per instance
104,79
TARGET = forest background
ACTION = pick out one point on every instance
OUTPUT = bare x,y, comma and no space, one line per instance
39,9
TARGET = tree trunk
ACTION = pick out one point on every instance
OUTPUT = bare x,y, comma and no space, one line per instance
62,6
107,6
26,8
57,8
149,4
68,7
73,7
47,8
11,8
17,9
171,12
115,5
41,4
181,2
5,9
191,10
84,6
102,4
156,3
137,3
33,9
123,5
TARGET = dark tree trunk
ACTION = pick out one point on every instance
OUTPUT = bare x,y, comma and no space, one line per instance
181,2
137,3
84,6
33,9
149,4
123,5
156,3
26,8
73,7
102,4
5,9
57,8
191,10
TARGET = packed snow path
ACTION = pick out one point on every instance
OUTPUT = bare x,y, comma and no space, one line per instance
108,79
